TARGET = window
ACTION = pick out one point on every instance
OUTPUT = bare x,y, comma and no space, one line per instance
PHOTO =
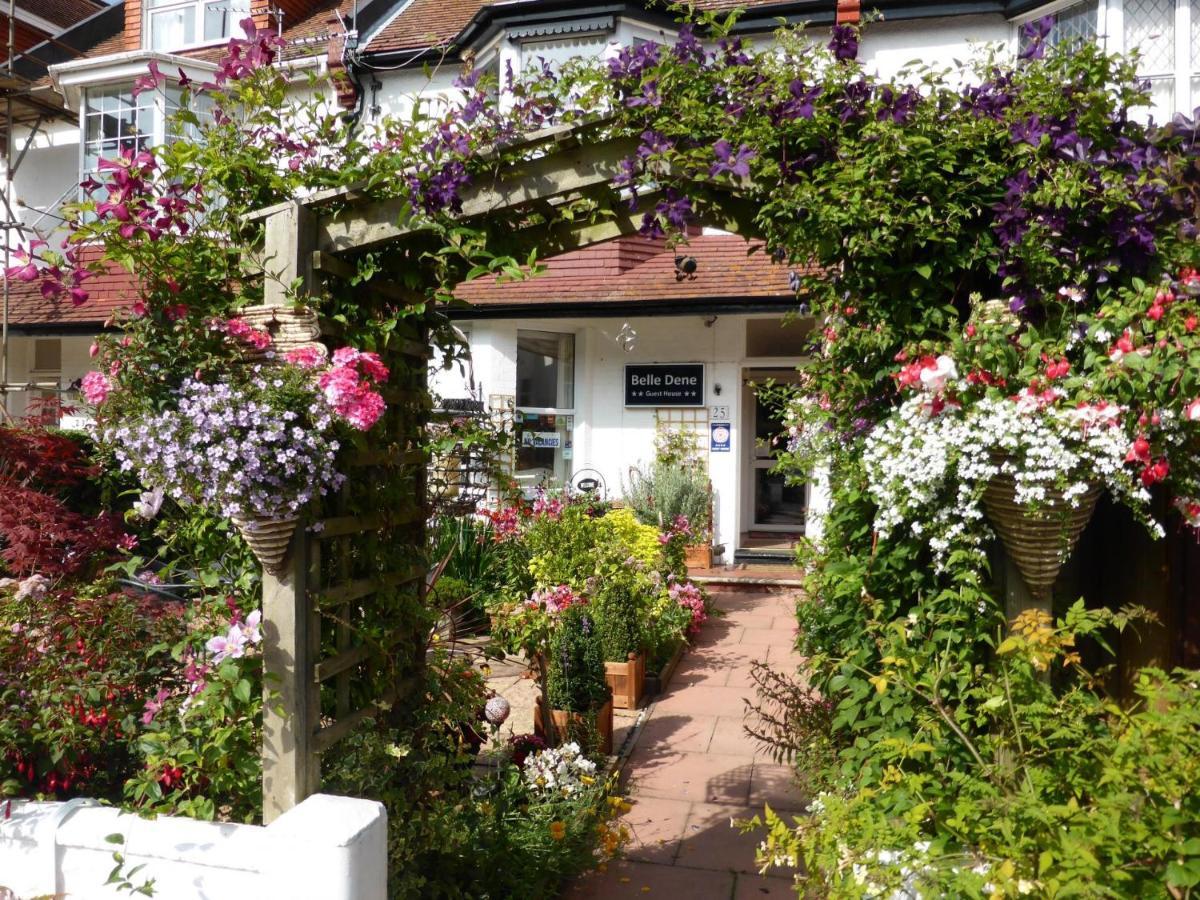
47,355
1073,24
545,416
173,25
1153,28
113,121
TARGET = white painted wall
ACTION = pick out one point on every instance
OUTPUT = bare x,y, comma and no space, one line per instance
889,47
327,848
75,363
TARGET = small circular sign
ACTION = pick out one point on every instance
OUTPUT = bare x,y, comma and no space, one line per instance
720,434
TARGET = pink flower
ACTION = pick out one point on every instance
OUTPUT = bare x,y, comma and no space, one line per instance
1155,472
1123,345
243,331
305,357
1189,509
372,367
95,387
154,706
352,399
1139,451
176,311
137,309
93,350
1191,412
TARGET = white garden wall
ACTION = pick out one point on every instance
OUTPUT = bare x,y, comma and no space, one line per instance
327,848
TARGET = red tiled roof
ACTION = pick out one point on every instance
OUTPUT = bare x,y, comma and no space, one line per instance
611,272
61,12
431,23
106,293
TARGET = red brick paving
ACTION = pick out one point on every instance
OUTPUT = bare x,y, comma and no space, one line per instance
694,768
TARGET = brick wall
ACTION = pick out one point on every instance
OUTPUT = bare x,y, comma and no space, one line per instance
133,24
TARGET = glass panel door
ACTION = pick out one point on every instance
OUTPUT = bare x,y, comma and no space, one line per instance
779,503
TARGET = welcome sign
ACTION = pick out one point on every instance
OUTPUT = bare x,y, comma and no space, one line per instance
664,384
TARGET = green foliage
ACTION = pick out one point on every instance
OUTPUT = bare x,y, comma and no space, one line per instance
665,491
575,676
620,610
454,833
76,667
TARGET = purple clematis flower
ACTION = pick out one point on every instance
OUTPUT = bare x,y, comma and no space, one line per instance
734,163
1035,33
844,42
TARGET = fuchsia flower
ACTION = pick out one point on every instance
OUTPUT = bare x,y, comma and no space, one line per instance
1189,509
95,387
154,706
1191,412
1123,346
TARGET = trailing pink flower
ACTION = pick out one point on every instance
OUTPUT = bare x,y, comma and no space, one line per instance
247,333
352,398
305,357
95,387
555,600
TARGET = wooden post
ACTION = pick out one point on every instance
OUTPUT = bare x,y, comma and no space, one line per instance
290,768
291,706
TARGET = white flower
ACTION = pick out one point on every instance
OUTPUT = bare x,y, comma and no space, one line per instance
933,379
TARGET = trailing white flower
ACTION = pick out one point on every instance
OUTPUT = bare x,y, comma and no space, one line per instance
559,771
927,472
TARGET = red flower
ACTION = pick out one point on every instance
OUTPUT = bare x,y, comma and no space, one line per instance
1155,472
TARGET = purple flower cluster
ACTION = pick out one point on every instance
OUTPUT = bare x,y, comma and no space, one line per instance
225,446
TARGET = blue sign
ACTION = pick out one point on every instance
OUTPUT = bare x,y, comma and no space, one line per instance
719,437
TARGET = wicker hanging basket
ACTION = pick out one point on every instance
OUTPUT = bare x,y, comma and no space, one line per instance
290,327
269,539
1038,540
994,312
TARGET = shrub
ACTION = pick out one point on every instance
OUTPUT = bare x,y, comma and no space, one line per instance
576,666
76,670
620,611
453,833
662,493
624,536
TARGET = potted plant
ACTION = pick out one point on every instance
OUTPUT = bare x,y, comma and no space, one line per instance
619,608
676,497
579,699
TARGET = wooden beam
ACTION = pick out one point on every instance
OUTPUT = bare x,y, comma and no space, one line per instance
521,184
289,762
287,254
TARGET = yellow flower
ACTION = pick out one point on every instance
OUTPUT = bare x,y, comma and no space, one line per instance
587,779
558,830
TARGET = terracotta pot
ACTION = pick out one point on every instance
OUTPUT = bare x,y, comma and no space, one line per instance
586,728
1038,540
626,680
698,556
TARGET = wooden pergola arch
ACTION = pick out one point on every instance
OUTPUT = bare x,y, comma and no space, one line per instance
315,239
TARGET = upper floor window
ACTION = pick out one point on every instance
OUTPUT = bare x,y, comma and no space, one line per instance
1165,33
115,122
173,24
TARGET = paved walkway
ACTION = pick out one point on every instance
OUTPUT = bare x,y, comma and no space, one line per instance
693,768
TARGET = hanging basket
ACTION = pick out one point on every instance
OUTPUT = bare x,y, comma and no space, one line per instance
1038,540
269,539
290,327
994,312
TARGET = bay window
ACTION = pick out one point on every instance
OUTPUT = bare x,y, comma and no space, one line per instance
1165,33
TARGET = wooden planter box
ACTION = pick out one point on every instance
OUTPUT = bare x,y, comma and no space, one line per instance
626,681
656,682
571,726
699,556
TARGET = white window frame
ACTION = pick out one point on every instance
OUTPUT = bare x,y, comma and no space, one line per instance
1110,29
556,411
163,101
197,9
